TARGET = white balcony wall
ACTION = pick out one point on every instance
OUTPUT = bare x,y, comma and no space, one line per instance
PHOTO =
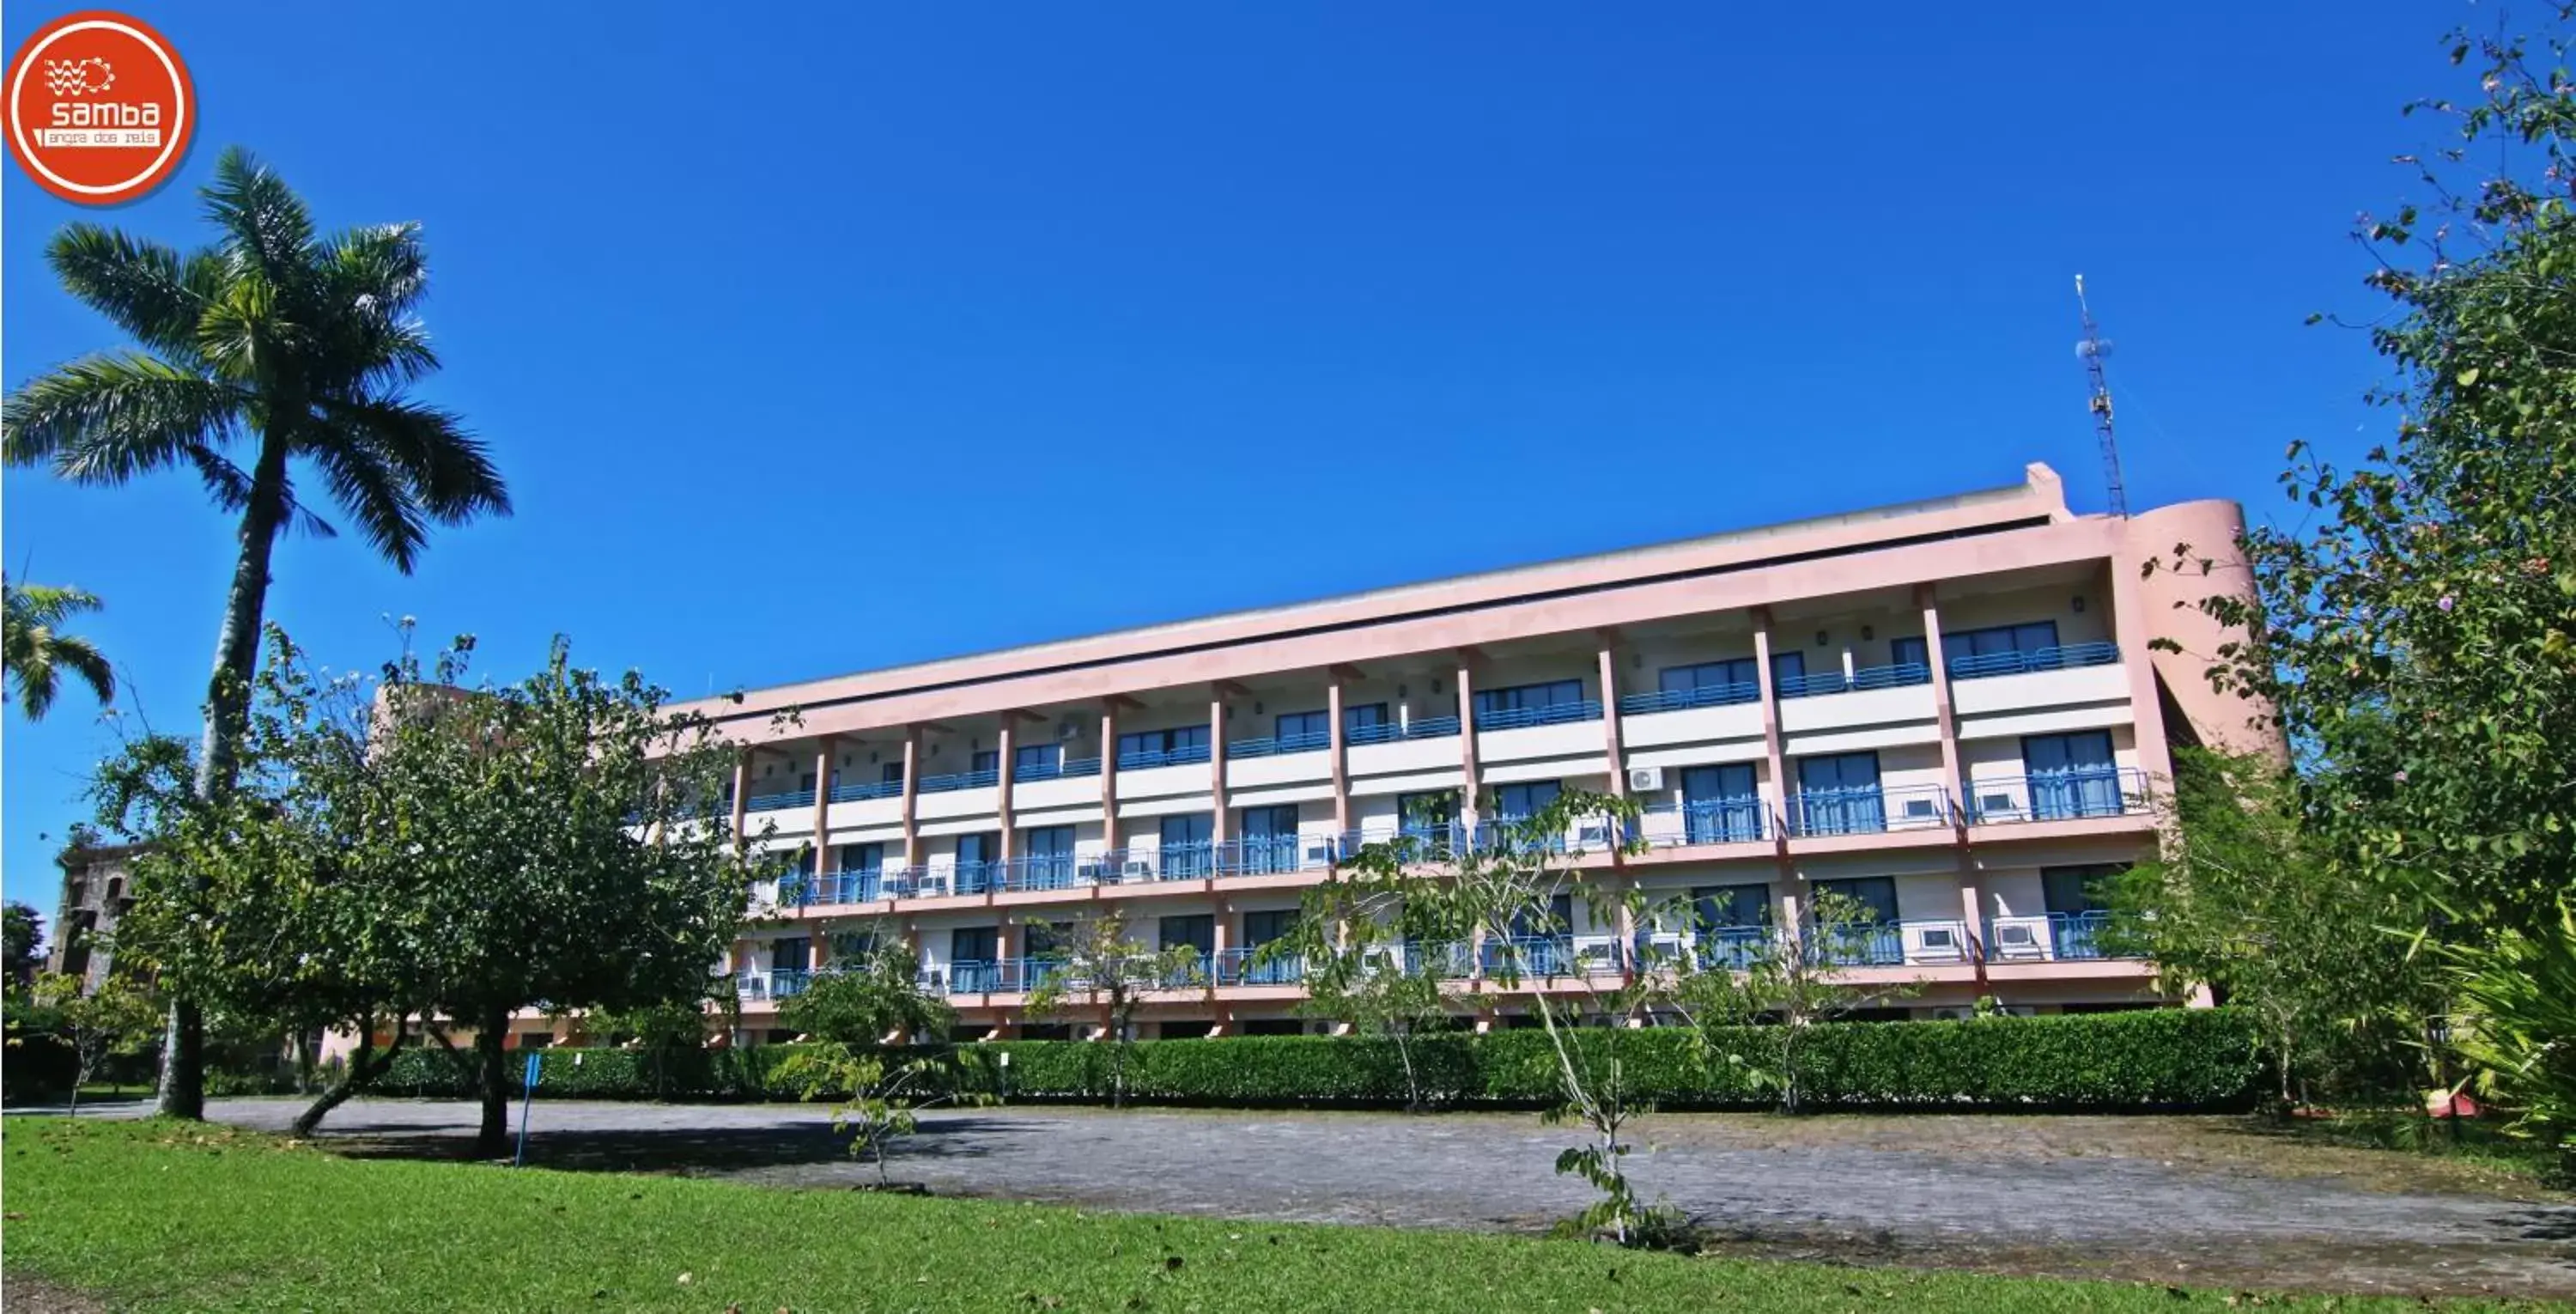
1279,769
1163,782
1176,805
1907,707
1408,757
950,804
863,813
2092,692
1258,798
1040,795
1694,725
1568,739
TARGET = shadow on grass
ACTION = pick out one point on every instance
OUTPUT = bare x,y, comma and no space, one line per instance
684,1150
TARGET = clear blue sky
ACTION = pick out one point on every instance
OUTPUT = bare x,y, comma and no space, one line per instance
819,339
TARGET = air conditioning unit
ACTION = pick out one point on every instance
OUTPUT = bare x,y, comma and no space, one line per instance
1137,869
1319,851
1645,780
1592,833
2015,940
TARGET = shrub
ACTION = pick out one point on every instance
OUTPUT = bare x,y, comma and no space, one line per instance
2160,1059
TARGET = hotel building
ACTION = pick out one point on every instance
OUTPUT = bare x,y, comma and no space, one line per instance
1948,710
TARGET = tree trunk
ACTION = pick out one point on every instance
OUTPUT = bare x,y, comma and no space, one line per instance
492,1140
183,1049
367,1064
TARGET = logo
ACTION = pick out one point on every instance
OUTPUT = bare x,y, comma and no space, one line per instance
99,108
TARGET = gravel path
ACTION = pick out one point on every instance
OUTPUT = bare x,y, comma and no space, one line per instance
2193,1201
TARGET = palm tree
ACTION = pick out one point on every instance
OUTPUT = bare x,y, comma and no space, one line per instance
290,347
35,650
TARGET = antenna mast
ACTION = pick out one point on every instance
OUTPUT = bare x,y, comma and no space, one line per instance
2091,350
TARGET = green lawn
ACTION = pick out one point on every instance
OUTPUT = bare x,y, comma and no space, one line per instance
159,1215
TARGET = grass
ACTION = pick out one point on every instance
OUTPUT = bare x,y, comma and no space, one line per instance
168,1216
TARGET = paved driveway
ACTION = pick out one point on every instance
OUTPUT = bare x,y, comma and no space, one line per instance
2197,1201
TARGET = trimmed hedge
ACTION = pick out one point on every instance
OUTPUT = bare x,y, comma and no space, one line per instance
2159,1059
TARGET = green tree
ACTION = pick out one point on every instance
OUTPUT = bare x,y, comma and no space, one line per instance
2248,901
24,931
408,852
115,1018
2415,631
1501,908
1792,977
866,994
2517,1021
1096,967
36,652
280,343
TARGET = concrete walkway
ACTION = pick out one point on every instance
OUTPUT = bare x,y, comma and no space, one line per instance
2190,1201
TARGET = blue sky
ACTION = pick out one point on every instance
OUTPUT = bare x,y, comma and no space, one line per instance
820,338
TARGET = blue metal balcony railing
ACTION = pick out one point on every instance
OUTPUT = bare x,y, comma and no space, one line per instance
1451,961
2059,796
1247,967
1278,745
869,789
1139,761
1874,677
1034,871
1420,727
1732,947
1722,821
785,798
2037,659
1867,810
1515,718
957,780
2077,935
1861,944
1530,956
1675,700
2039,937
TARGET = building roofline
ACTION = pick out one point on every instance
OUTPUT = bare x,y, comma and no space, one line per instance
2040,493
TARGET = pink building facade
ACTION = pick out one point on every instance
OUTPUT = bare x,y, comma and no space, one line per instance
1949,711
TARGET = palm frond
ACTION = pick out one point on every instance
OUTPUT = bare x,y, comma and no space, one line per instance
447,469
35,653
144,286
87,662
106,419
230,489
376,496
265,224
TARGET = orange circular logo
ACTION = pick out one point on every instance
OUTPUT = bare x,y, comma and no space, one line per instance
99,108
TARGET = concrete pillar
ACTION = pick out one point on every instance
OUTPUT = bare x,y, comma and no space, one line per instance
1002,764
1781,790
1469,799
1610,718
913,857
1216,774
822,808
741,797
1341,772
1109,777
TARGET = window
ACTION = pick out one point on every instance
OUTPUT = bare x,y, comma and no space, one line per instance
974,958
791,953
1529,704
1197,930
1151,748
1789,673
2074,891
985,759
1429,813
1709,684
1037,762
2072,775
1996,641
1909,651
1304,728
891,773
1260,928
1049,865
1732,905
862,873
1518,802
1876,894
976,857
852,944
1720,805
1187,843
1839,795
1364,717
1270,839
